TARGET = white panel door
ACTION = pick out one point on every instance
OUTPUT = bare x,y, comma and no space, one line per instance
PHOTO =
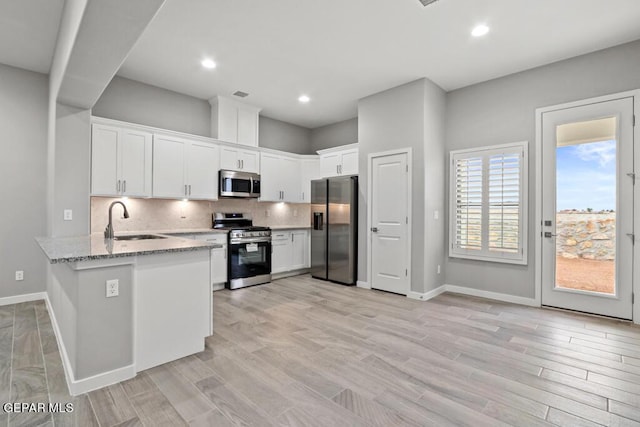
270,178
202,171
330,164
587,205
104,160
136,157
282,255
390,255
290,179
227,122
168,167
229,158
309,170
349,163
300,249
249,161
247,126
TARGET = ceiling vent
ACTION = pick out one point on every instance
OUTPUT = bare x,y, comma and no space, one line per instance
427,2
240,94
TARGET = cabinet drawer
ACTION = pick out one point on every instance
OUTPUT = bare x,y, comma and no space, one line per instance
281,235
219,238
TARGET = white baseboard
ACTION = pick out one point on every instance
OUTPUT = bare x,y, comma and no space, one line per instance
492,295
363,285
17,299
427,295
85,385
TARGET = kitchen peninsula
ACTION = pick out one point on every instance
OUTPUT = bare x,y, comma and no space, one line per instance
122,306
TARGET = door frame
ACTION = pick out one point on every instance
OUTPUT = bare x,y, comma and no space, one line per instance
409,152
538,190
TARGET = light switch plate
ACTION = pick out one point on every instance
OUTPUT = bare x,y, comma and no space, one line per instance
436,214
19,275
68,215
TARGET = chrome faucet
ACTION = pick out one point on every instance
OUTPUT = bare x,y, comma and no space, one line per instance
108,232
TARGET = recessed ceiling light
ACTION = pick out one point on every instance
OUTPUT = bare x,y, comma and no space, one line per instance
208,63
304,99
480,30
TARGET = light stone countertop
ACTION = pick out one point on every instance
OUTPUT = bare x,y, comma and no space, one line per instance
95,246
181,231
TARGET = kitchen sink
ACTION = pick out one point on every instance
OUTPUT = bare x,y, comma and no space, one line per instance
139,237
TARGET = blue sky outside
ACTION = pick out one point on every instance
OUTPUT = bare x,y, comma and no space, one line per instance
586,176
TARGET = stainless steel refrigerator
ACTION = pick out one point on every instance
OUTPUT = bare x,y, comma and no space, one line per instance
334,229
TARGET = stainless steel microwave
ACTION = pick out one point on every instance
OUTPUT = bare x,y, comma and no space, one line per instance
239,184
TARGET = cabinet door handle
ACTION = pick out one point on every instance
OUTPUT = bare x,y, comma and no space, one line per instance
124,186
337,169
303,195
238,161
118,187
185,189
189,189
242,164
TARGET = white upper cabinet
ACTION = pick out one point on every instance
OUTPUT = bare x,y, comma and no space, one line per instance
279,178
339,161
239,159
233,121
120,161
309,170
184,169
202,171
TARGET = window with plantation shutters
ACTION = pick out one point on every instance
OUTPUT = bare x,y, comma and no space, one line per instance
489,203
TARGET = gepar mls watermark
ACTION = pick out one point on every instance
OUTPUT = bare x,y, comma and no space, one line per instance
21,407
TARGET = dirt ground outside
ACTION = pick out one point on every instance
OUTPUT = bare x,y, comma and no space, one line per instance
586,274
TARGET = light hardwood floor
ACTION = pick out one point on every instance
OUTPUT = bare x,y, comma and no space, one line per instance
304,352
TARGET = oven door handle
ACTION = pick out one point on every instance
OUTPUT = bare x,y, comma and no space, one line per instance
256,240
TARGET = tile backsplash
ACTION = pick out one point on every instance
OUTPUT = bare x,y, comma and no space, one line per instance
161,214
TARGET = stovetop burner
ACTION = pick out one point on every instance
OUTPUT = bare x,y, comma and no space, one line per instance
238,223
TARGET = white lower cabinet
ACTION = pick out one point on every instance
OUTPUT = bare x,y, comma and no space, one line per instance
290,250
218,258
300,244
282,251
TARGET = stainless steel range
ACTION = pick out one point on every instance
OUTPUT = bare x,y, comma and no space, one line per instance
249,246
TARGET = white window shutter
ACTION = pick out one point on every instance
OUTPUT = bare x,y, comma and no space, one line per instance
488,203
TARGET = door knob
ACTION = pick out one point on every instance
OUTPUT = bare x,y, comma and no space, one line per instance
374,229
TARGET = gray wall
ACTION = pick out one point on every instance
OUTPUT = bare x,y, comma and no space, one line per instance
410,115
334,135
502,111
284,136
434,184
23,150
137,102
72,170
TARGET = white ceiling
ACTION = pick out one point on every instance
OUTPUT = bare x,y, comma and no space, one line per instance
28,32
338,51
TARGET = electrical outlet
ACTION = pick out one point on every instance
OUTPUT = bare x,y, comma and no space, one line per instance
113,289
267,213
19,275
68,215
438,268
436,214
